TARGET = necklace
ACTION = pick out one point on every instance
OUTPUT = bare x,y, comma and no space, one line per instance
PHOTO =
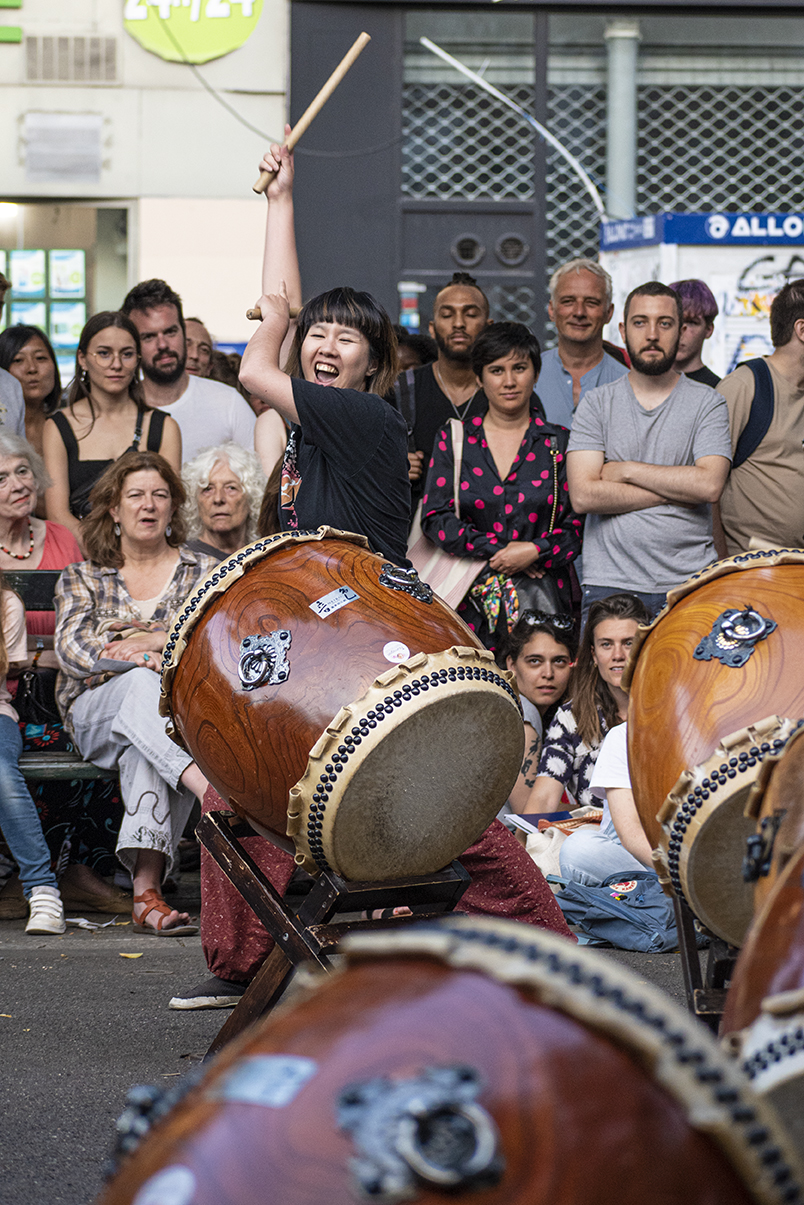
21,556
446,393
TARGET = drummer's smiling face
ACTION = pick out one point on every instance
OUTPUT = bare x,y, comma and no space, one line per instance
332,354
611,645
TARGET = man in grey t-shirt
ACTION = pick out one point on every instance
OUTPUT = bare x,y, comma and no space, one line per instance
647,456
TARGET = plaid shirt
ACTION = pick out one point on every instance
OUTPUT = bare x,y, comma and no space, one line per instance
88,597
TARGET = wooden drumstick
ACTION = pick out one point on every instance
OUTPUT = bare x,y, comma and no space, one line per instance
255,315
317,104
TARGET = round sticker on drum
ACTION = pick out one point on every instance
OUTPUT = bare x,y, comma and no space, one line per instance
172,1186
395,651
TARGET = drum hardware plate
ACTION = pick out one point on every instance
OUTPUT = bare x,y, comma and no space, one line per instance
396,578
759,847
428,1129
333,601
264,660
733,637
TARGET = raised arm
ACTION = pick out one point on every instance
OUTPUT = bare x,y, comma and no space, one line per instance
592,494
690,484
280,261
259,369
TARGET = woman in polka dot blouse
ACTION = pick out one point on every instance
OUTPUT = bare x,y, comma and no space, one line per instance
514,510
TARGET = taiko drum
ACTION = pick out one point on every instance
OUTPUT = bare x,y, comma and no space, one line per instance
478,1061
383,740
682,706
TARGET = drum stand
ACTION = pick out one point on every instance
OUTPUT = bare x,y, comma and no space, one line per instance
307,935
706,993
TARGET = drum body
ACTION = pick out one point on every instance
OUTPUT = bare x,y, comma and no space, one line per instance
764,1013
705,829
393,734
482,1061
681,706
776,807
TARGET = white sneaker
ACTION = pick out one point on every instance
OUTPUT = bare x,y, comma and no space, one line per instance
47,911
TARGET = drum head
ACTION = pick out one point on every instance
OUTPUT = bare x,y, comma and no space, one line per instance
716,891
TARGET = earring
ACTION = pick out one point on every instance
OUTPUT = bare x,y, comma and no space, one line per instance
168,531
117,529
84,377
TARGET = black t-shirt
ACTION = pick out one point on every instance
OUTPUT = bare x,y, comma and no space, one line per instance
346,465
704,376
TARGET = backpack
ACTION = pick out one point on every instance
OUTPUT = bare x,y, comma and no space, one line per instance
761,413
630,912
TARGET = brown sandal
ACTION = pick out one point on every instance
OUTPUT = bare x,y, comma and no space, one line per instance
157,904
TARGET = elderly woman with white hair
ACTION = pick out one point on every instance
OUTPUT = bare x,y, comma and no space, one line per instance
224,491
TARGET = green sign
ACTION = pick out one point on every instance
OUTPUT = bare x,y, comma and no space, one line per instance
193,31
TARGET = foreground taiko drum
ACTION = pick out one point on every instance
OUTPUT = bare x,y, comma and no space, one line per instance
775,809
478,1061
726,651
704,829
331,697
764,1012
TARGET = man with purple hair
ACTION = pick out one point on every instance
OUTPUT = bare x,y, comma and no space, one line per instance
700,311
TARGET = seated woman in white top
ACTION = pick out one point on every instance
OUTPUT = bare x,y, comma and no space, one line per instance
619,845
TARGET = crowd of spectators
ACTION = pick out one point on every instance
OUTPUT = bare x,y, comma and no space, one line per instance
585,483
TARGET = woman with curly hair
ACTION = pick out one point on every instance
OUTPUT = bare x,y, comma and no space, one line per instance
224,491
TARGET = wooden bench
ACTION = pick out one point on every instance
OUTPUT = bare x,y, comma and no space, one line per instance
36,588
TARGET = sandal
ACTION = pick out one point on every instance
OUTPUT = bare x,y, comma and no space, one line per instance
156,904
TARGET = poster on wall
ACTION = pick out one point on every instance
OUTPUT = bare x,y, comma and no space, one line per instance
31,313
194,31
67,319
68,275
28,277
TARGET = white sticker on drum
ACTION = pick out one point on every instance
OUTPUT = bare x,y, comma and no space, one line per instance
271,1080
395,651
333,601
172,1186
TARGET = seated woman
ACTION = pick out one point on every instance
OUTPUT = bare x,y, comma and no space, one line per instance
224,492
19,821
598,703
105,416
27,353
619,846
513,510
539,650
113,613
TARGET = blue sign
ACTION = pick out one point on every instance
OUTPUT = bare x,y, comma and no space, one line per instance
699,229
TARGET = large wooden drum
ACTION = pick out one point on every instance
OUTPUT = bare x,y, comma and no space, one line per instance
775,809
333,698
764,1013
726,651
479,1061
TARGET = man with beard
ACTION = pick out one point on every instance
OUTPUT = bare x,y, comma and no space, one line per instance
428,397
647,457
208,412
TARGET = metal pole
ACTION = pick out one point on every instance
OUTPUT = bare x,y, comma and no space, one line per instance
622,40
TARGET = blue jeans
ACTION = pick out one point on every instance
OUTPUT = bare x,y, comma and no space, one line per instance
19,819
654,602
590,855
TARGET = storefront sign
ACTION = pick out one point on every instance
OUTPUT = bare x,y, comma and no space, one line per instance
192,31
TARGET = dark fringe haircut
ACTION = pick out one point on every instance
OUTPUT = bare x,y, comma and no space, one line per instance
102,545
348,307
587,689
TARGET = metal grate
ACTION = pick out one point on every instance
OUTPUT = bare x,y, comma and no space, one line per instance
513,303
576,114
458,142
71,60
719,148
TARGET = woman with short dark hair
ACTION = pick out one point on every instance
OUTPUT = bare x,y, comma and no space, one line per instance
27,353
113,612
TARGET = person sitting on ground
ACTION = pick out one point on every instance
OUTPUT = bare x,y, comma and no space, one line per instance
113,612
199,347
514,510
19,821
698,325
597,704
224,492
539,650
106,415
619,846
27,353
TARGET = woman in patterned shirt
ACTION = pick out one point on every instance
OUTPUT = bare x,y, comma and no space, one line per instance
513,509
598,703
